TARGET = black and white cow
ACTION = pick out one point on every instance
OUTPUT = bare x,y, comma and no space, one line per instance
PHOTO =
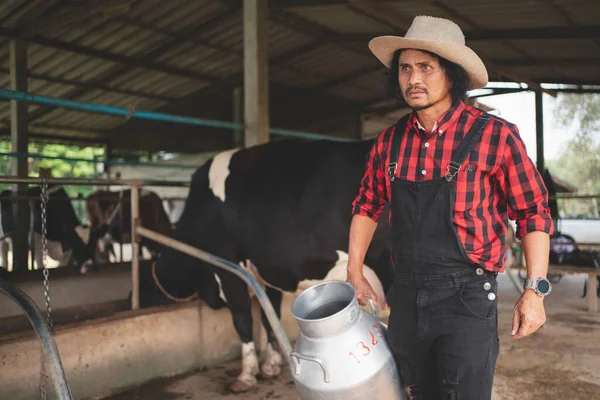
66,237
286,207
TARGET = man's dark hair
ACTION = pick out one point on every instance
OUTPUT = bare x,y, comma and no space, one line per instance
456,75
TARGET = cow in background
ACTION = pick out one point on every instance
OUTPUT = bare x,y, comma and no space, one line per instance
68,241
285,207
110,212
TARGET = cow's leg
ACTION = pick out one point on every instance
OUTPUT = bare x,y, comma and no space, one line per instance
272,361
37,250
238,301
4,253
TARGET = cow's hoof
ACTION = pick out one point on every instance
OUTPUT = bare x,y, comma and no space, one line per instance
271,364
88,266
240,386
270,370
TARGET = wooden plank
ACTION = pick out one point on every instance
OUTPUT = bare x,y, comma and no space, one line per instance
256,73
19,122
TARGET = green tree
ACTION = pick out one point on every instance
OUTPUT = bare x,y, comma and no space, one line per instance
579,162
59,168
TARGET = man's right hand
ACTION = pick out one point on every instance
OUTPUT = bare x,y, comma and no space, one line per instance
363,290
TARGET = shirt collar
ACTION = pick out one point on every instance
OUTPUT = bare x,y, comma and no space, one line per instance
446,120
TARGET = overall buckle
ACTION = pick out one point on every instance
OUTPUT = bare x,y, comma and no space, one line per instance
452,170
392,170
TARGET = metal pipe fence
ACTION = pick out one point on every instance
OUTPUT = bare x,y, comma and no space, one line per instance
150,115
137,232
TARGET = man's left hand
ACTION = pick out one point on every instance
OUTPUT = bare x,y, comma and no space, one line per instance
528,315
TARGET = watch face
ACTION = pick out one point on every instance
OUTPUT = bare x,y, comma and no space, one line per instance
543,286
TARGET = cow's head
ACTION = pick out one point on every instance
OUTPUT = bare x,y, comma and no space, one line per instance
181,276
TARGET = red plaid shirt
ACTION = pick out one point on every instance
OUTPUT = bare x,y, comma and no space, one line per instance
496,181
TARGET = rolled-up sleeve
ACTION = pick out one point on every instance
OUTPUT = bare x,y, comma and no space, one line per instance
372,194
527,194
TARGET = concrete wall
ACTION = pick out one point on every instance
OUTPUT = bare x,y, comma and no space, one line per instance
102,357
69,288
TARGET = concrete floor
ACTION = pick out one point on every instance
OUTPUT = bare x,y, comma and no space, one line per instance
561,361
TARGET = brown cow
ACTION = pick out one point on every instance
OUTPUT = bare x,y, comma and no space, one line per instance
111,210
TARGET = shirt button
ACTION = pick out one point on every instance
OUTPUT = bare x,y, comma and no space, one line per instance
423,172
440,131
491,296
426,144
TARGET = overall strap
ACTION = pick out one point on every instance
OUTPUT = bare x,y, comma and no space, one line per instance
466,145
399,130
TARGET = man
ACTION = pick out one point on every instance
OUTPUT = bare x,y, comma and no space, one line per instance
453,175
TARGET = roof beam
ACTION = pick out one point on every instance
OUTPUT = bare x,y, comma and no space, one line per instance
87,86
310,3
382,14
348,77
506,72
318,31
73,15
549,33
497,91
479,34
57,133
165,45
238,78
595,81
551,62
492,66
29,10
391,16
239,54
178,37
572,23
108,56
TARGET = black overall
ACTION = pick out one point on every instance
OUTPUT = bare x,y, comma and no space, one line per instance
443,325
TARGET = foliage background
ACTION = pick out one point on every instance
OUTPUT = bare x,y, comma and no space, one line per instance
579,161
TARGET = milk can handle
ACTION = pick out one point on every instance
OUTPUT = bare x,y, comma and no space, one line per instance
372,304
308,358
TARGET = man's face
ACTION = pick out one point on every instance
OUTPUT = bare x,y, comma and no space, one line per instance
422,79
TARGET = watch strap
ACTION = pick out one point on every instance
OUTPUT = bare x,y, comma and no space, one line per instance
529,284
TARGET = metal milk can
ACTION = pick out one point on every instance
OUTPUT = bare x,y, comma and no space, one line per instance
341,351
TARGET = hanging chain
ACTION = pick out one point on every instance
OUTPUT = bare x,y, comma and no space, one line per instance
45,250
44,196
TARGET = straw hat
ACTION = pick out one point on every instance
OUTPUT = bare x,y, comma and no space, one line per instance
437,35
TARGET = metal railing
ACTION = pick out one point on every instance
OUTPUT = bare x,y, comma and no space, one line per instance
41,328
151,115
138,231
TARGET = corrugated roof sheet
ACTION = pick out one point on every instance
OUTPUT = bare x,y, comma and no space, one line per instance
341,18
160,52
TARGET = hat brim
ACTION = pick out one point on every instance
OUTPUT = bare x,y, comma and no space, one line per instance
383,47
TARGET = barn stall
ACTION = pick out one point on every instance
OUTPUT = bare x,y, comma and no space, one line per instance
191,62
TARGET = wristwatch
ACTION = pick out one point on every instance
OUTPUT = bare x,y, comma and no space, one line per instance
540,285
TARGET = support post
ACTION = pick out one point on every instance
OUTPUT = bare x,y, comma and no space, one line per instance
135,247
539,130
592,287
19,139
256,73
238,116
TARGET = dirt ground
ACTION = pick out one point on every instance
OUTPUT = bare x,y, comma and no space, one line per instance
561,361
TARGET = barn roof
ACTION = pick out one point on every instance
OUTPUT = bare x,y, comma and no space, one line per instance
186,57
